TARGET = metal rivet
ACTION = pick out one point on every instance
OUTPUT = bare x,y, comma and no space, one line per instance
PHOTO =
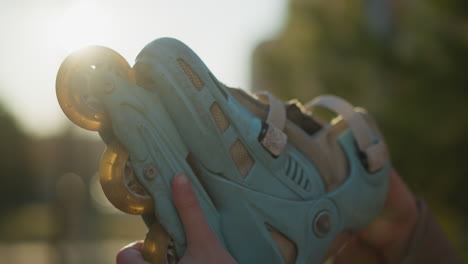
150,172
322,223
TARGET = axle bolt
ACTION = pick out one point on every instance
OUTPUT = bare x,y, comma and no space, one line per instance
150,172
322,223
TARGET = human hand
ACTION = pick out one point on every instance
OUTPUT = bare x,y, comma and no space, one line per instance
203,247
387,237
384,240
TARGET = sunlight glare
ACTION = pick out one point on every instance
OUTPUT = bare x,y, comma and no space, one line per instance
84,23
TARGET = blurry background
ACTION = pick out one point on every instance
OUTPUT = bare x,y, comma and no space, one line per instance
405,61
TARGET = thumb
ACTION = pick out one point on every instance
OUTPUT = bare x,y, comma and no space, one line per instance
196,228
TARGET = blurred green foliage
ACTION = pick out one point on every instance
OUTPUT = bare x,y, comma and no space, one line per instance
46,208
17,185
404,61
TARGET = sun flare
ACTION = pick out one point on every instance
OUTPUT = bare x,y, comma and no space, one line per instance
84,23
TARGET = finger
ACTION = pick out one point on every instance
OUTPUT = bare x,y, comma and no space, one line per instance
398,217
354,251
339,242
391,231
131,254
401,200
196,228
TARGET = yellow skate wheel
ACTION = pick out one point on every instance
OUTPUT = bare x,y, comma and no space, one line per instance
156,246
72,84
119,183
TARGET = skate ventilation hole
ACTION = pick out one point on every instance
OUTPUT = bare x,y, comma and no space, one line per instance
285,245
218,116
296,174
241,158
193,77
132,184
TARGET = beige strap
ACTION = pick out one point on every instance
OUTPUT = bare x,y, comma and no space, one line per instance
275,139
375,152
276,112
298,138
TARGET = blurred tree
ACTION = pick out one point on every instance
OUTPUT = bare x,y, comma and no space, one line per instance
405,61
17,181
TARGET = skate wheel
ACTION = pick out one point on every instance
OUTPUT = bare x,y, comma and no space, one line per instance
156,248
72,84
119,183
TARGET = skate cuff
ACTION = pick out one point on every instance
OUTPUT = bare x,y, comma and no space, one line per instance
372,148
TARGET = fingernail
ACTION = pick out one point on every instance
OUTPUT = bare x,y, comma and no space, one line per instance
181,179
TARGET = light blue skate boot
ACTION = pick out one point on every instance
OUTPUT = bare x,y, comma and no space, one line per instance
275,185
